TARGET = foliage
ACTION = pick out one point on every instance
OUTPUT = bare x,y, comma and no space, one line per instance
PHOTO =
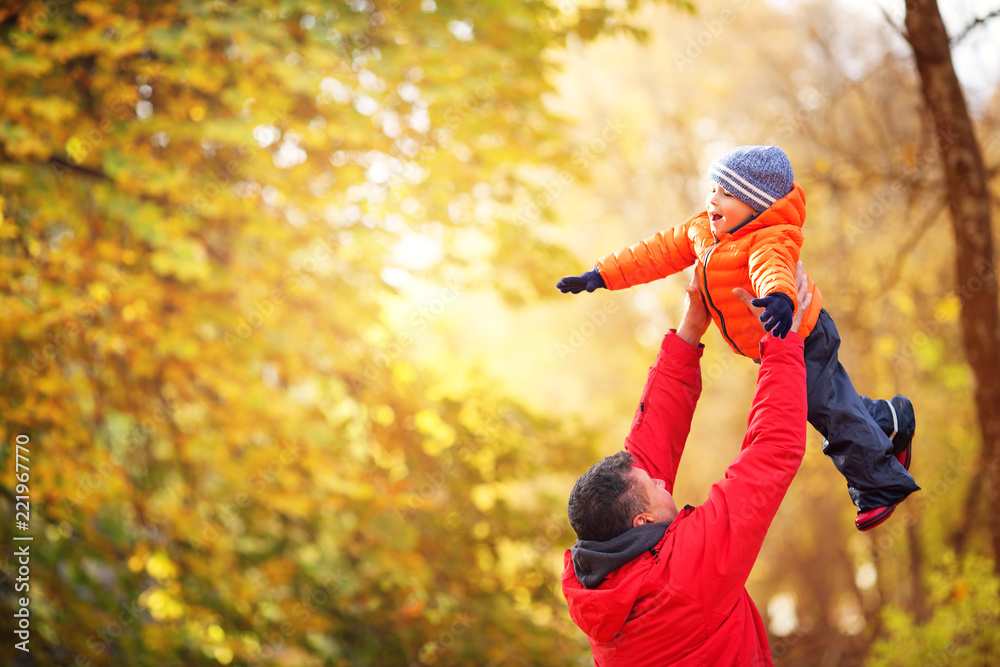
963,629
210,213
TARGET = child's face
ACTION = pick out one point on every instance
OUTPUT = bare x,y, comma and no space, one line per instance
726,211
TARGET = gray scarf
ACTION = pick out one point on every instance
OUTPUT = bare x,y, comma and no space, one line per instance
594,560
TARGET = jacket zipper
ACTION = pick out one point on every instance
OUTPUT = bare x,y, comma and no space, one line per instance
642,406
708,296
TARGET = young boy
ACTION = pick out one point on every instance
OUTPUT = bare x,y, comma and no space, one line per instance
749,236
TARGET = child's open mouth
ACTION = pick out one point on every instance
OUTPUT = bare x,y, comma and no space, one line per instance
716,217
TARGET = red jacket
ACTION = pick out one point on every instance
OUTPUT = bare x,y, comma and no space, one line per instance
685,602
760,257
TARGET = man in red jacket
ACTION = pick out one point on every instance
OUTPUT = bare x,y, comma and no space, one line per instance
653,586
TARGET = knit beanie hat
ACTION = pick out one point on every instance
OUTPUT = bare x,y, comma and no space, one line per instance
756,175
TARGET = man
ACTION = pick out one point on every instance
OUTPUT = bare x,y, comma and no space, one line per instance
653,586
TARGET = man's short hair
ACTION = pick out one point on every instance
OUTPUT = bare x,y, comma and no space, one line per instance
606,499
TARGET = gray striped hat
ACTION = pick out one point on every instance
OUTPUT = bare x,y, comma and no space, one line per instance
756,175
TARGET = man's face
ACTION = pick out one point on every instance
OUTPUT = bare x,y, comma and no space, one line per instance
725,211
662,508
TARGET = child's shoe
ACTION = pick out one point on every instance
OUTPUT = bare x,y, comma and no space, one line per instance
896,419
904,426
868,520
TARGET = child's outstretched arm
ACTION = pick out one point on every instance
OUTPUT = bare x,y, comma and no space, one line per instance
662,254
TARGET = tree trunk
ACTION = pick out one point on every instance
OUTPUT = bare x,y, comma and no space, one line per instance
969,206
918,593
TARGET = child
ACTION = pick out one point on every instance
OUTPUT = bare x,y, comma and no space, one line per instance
749,236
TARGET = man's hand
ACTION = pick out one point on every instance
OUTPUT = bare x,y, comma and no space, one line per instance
695,320
589,281
804,298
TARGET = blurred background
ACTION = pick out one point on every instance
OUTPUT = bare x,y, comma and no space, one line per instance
282,343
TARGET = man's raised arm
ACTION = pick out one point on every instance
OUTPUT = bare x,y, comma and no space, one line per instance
727,531
663,419
756,481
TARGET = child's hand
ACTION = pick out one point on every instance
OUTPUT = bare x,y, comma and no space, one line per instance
777,315
804,299
589,281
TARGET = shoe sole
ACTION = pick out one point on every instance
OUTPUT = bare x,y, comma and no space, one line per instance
879,518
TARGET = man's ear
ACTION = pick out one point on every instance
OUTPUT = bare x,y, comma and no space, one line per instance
641,519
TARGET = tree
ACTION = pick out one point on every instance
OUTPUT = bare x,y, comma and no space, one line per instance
210,213
969,207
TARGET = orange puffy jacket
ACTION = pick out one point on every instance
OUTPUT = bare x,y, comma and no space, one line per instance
760,257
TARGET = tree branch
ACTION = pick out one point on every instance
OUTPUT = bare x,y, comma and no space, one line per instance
66,164
907,246
60,162
975,24
895,26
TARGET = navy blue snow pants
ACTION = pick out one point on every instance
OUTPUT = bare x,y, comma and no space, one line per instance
858,446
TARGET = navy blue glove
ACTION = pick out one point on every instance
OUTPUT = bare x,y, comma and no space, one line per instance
777,315
589,281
